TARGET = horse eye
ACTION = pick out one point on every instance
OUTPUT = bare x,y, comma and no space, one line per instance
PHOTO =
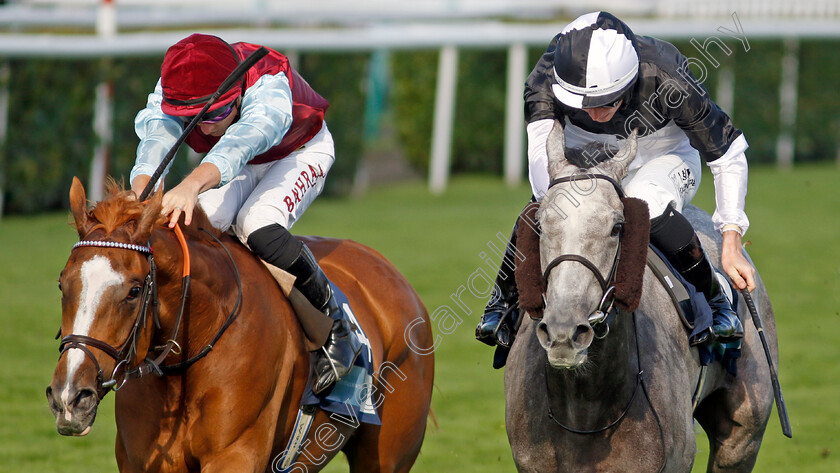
59,285
616,229
134,292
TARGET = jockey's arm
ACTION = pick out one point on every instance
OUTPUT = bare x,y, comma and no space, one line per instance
711,132
184,196
266,115
139,183
540,117
730,178
538,132
158,132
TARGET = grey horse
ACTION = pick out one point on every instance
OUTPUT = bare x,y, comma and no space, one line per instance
624,403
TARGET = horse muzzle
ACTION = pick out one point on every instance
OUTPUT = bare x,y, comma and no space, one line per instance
565,345
74,409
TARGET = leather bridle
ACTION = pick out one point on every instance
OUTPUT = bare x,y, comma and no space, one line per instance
128,350
125,354
600,318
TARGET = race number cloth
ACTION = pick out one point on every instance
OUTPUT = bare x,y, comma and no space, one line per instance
352,395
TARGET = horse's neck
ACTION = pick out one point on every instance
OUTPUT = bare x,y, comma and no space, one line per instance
218,279
608,380
211,296
262,348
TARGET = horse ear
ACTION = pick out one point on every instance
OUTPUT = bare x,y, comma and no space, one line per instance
79,207
150,215
617,166
556,149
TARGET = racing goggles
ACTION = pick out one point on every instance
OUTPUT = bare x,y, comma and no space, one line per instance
219,114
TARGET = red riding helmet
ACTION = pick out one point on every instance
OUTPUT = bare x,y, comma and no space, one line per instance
192,71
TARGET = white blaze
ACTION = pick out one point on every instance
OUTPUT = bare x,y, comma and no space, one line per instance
97,276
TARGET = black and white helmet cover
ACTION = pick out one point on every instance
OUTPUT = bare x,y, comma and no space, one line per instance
595,62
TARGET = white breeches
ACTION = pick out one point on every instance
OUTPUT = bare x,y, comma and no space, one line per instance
277,192
671,178
666,168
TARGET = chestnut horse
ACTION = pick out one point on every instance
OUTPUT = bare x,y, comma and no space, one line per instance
233,359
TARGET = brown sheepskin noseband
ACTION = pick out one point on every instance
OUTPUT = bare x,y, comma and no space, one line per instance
629,273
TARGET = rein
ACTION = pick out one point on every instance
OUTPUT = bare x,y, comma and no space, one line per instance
169,369
125,354
640,381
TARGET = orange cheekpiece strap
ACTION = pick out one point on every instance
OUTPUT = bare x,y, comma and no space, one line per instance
183,242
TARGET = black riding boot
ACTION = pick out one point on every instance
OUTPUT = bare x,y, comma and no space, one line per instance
277,246
338,354
499,323
691,261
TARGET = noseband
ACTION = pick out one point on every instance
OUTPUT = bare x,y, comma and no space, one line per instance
598,319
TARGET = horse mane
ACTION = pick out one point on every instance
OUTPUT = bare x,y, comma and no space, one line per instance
120,209
590,155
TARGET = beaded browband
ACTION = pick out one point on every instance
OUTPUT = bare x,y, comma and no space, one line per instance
114,244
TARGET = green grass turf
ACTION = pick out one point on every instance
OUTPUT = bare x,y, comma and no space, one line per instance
437,241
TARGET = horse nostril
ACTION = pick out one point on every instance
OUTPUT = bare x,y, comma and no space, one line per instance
583,335
55,407
84,399
50,397
542,331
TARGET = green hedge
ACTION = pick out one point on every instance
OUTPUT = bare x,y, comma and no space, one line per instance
50,137
340,79
757,74
479,113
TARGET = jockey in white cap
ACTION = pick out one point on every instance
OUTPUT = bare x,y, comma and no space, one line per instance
601,81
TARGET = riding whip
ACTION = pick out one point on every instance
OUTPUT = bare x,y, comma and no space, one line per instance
226,85
777,388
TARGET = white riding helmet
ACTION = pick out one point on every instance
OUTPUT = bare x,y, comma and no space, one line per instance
595,62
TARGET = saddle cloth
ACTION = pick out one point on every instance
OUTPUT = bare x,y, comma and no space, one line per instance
352,395
694,311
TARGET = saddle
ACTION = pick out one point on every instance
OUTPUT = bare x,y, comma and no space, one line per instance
694,315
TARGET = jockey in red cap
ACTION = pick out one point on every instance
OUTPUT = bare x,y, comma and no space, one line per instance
268,151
